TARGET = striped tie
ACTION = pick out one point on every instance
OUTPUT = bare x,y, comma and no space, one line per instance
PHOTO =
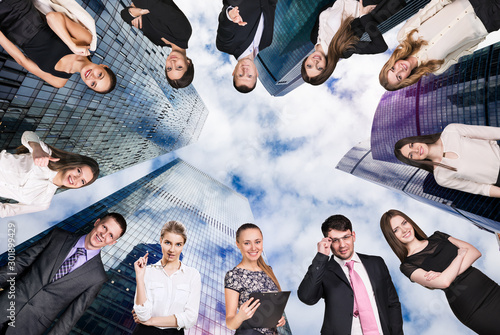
68,264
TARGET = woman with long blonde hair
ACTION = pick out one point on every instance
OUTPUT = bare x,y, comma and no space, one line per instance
338,31
436,37
252,274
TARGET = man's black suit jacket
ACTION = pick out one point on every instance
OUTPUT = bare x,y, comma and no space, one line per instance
235,39
325,279
37,300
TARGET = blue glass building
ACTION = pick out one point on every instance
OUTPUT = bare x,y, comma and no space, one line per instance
141,119
211,213
279,64
483,212
468,92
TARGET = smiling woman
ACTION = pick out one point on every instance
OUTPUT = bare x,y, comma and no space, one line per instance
251,275
444,262
462,157
53,50
338,30
164,24
436,37
33,175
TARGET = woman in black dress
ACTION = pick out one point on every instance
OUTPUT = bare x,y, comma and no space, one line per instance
55,49
164,24
444,262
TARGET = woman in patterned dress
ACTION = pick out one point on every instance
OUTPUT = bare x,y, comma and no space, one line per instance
252,274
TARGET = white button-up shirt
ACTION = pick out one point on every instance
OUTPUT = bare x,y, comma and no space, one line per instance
177,294
23,181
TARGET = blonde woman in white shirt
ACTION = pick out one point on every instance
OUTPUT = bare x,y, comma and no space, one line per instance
436,37
167,297
36,171
462,157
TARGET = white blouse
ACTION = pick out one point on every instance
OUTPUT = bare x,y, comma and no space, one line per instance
178,294
23,181
478,161
451,29
330,19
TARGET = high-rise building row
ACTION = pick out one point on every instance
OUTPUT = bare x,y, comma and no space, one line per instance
141,119
467,93
211,212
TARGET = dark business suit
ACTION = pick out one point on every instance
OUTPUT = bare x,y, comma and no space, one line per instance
235,39
38,301
367,23
325,279
164,19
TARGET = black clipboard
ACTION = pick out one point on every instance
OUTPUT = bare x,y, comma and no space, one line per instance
270,311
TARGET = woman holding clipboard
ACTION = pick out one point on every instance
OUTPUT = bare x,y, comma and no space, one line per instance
252,274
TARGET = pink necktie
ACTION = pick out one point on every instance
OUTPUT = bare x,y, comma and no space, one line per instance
362,305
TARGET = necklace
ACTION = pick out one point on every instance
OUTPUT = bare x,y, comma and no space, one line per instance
161,262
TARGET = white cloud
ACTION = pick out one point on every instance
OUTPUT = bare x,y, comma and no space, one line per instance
301,187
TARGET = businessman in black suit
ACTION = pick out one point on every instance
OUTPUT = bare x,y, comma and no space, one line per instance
60,272
330,279
245,28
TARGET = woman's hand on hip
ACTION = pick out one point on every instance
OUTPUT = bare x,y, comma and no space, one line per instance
365,10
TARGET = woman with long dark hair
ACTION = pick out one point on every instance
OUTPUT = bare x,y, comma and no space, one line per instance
462,157
167,297
53,49
252,274
164,24
444,262
33,175
436,37
338,31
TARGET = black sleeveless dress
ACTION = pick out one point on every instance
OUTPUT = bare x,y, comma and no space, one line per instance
473,297
22,24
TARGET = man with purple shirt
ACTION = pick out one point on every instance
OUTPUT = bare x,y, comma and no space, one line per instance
60,272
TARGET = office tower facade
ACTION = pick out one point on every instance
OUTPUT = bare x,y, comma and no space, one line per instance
279,64
484,212
468,93
142,118
211,212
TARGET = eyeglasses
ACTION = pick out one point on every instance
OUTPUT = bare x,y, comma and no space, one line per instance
337,240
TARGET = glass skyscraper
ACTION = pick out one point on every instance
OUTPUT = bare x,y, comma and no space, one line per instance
279,64
142,118
484,212
211,212
468,92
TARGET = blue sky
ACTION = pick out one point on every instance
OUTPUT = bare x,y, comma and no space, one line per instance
281,153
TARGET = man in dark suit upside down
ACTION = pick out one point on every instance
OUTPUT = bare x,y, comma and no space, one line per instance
245,28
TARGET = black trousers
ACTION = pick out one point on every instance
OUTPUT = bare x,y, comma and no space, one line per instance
488,11
150,330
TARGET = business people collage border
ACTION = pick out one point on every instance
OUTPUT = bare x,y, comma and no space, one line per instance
279,152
